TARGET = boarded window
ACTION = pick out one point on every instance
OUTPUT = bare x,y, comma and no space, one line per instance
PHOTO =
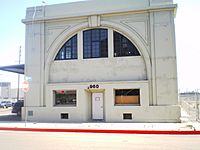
127,97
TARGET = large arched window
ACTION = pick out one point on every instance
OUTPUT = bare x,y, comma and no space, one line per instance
68,50
123,46
95,43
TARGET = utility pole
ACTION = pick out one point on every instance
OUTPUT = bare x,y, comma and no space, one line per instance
18,74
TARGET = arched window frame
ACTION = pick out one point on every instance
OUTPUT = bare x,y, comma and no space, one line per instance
123,47
69,50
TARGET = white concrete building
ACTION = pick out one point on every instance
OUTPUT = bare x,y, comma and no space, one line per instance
108,60
5,90
14,92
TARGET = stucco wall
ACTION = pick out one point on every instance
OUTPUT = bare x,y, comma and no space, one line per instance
102,69
165,56
112,113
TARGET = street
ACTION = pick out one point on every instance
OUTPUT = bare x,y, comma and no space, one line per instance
84,141
6,115
5,111
10,140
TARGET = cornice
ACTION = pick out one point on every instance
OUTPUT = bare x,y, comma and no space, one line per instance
109,12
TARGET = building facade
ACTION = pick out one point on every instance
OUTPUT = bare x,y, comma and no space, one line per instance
5,90
14,93
108,60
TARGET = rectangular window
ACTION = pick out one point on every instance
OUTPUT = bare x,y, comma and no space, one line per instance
127,97
63,97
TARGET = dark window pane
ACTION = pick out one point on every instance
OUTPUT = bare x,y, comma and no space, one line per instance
62,54
104,34
68,44
96,50
68,50
123,46
95,35
95,43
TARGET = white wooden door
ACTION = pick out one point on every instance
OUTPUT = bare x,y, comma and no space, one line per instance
97,105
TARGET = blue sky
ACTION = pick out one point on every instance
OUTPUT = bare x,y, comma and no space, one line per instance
187,24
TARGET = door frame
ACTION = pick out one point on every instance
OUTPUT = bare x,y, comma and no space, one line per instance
103,105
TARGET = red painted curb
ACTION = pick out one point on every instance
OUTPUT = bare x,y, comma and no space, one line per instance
102,131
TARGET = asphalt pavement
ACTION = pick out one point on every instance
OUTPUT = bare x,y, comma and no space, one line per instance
73,136
87,141
7,116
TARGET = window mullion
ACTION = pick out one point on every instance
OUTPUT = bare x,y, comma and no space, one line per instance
110,43
100,50
71,48
121,47
91,47
65,49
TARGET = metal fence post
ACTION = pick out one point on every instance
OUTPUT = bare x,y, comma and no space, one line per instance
197,104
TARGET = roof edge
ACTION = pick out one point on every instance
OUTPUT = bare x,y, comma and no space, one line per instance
153,8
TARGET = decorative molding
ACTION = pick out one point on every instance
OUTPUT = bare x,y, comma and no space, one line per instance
141,10
131,34
57,27
94,21
53,32
139,26
35,12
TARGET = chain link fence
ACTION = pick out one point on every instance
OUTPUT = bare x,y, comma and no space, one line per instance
190,105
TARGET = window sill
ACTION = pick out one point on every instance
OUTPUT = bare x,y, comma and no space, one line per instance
95,57
127,105
64,106
128,56
70,59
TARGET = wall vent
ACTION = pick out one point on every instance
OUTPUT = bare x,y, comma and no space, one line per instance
30,113
127,116
64,116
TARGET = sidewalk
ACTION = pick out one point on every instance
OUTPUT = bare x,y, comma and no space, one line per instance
186,127
127,128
